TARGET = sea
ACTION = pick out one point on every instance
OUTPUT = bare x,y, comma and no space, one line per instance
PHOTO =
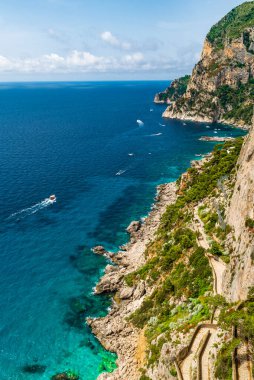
80,141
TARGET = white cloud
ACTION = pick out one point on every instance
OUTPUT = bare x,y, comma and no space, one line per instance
134,58
75,61
112,40
109,38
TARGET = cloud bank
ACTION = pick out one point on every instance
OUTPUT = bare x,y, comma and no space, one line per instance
75,61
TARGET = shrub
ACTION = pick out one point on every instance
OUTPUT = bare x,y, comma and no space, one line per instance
249,223
224,360
216,249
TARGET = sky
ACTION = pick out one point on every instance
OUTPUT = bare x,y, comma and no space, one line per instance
51,40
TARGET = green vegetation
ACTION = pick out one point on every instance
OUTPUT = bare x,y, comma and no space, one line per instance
232,25
238,102
144,377
249,223
176,89
242,319
224,360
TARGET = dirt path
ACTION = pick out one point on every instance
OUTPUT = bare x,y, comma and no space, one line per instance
206,367
199,357
189,361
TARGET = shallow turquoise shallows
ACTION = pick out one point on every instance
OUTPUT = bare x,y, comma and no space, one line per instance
81,142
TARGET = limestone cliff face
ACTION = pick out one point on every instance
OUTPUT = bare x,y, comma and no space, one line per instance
221,86
240,273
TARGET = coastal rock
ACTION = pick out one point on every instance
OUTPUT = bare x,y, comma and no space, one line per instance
110,269
215,138
134,227
99,250
109,282
126,293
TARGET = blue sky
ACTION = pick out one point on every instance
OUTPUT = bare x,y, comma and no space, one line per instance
104,39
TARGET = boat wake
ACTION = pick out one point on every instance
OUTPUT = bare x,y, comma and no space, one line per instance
31,210
121,172
162,125
155,134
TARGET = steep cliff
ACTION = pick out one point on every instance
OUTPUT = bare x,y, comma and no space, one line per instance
240,217
221,87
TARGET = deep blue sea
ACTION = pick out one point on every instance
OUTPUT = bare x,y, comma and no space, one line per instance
81,142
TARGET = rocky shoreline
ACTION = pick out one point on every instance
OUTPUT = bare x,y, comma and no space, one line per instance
113,331
216,139
169,114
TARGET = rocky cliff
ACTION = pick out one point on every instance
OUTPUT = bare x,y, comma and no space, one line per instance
221,87
240,217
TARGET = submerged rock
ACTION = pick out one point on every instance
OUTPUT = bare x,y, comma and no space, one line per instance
65,376
34,368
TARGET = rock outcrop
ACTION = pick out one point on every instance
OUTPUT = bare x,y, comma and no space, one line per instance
221,85
176,89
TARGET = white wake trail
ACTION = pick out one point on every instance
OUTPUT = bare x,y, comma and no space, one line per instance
31,210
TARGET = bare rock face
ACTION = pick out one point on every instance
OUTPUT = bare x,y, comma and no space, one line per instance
240,274
110,282
126,293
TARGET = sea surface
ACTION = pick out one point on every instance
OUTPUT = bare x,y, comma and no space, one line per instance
82,142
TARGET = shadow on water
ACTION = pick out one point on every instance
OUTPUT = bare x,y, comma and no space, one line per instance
115,219
84,256
83,305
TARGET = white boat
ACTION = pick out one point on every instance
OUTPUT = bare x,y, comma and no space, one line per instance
140,122
52,198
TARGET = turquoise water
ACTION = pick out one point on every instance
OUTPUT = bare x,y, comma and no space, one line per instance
74,140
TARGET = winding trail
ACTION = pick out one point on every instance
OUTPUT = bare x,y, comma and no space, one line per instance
202,345
198,362
205,360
